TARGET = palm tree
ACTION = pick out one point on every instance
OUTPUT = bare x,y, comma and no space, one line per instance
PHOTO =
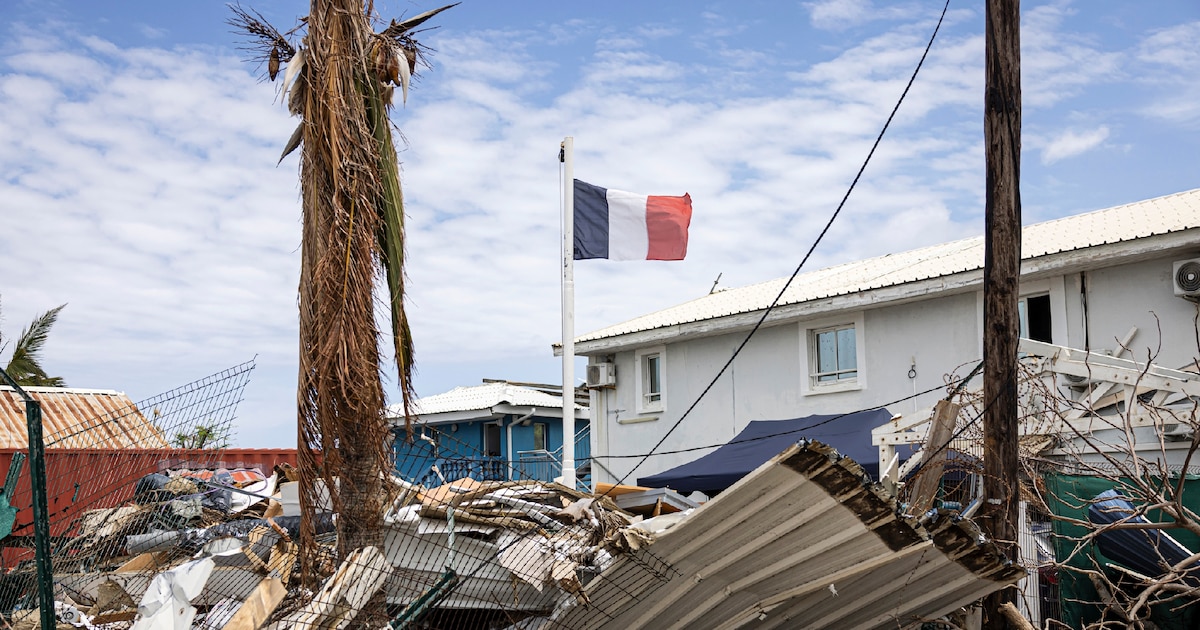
339,80
25,364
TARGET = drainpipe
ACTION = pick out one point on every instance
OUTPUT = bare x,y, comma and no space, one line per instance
512,460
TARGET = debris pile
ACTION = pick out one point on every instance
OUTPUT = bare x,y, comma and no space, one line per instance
217,549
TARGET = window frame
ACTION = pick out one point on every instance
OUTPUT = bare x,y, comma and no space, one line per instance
489,429
838,373
641,380
809,385
544,427
1023,323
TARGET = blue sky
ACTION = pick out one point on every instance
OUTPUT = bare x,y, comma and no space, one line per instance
139,185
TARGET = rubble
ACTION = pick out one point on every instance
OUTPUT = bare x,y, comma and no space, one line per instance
803,528
208,549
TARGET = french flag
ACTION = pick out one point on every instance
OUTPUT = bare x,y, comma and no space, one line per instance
620,225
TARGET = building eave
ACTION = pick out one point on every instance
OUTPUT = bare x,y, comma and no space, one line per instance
1059,263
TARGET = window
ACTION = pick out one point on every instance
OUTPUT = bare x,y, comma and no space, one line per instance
539,436
491,439
649,379
832,351
837,357
1033,313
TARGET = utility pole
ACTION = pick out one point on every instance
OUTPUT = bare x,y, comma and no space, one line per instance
1001,275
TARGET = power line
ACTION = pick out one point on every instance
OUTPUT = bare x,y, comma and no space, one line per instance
810,427
807,255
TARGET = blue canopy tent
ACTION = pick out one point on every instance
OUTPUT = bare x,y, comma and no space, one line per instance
761,440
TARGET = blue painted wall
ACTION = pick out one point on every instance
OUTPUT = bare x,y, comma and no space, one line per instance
460,449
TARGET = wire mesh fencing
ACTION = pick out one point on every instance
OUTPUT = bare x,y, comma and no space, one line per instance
117,469
153,527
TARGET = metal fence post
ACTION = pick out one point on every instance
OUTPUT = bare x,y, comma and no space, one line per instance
41,513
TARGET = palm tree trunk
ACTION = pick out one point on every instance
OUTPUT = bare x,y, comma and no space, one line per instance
340,395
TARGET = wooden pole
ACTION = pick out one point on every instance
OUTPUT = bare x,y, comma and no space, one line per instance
1001,273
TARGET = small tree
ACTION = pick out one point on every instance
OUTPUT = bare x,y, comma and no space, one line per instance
204,436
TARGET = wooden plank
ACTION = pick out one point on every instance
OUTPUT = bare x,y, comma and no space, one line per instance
149,561
941,430
614,490
258,606
343,595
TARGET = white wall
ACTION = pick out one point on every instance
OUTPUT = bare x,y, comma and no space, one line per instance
938,336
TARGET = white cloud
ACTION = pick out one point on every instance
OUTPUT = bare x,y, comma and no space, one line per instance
1057,64
1171,64
835,14
1069,144
839,15
144,184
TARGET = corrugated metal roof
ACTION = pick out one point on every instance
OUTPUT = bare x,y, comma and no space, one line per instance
800,542
78,418
1162,215
481,397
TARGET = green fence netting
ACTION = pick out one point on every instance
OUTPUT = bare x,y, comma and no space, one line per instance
1067,497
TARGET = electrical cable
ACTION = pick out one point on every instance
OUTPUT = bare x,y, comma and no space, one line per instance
807,255
836,417
786,285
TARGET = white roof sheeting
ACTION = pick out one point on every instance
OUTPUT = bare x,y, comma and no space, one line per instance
482,397
1163,215
799,542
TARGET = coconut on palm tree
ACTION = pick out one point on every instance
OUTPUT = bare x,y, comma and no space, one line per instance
25,364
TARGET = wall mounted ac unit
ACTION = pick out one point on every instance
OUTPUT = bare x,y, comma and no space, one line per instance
1185,275
601,375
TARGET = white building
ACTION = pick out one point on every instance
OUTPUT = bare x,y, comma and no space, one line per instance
876,331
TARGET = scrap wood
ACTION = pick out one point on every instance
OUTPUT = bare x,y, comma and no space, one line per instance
443,494
343,595
114,617
1014,617
106,521
936,449
274,508
149,561
614,490
283,560
258,606
110,596
464,516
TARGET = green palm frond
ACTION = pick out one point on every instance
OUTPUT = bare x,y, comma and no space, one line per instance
391,240
25,365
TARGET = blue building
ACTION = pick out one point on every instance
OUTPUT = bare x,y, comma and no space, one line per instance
496,431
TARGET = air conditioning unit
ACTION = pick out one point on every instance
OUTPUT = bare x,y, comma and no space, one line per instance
601,375
1186,278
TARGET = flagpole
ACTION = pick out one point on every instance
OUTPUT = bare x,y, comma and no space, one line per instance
568,313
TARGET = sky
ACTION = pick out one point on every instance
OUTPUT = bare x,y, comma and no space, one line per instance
139,184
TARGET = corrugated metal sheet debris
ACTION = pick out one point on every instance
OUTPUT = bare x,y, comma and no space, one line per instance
801,542
78,418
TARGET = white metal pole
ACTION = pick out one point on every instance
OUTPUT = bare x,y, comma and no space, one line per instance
568,313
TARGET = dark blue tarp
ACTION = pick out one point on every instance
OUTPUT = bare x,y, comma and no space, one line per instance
1147,551
761,440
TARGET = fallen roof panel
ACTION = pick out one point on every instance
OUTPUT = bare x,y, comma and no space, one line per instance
803,541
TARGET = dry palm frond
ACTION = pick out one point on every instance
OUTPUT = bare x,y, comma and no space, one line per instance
266,44
405,26
339,83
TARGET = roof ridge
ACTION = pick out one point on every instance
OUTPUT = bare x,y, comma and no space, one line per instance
1159,215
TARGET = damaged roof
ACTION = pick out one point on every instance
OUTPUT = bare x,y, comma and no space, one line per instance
78,418
483,397
1163,215
802,541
